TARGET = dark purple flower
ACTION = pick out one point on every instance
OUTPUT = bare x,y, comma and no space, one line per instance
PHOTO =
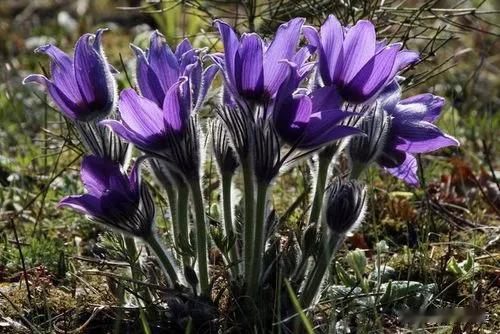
309,121
352,60
113,198
159,68
412,131
82,87
254,70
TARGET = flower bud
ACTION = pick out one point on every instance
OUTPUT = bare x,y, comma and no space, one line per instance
344,205
225,156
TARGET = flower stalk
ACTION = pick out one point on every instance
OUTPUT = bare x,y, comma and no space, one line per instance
227,179
166,263
249,222
201,235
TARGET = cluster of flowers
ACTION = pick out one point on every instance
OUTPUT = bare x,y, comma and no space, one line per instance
280,102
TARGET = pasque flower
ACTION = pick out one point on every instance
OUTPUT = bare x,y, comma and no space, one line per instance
114,199
397,130
253,69
354,61
83,87
159,68
412,131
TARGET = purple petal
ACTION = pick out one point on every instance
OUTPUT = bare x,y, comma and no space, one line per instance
406,58
230,41
390,96
139,114
358,49
407,171
421,137
208,77
67,106
183,47
425,107
175,115
135,178
128,134
372,77
330,55
323,127
248,66
147,79
326,98
93,76
100,175
163,61
291,119
282,47
86,204
63,74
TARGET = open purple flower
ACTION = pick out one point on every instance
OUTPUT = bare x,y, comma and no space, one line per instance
352,60
159,68
309,121
412,131
82,87
114,199
254,70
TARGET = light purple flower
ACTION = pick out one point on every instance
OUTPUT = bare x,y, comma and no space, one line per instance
352,60
82,87
412,131
159,68
254,70
114,199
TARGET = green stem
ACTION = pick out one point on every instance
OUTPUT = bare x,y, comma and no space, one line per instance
324,159
201,235
172,203
249,200
313,282
259,241
228,220
182,219
166,262
137,276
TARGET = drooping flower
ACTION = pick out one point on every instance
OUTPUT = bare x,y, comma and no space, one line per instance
252,69
83,87
352,60
308,121
114,199
159,68
410,131
345,205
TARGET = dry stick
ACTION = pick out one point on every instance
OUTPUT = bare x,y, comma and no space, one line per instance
21,255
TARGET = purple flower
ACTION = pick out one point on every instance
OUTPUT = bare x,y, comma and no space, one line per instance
352,60
114,199
253,70
82,87
309,121
412,131
159,68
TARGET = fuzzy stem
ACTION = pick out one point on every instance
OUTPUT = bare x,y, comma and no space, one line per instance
182,219
249,200
316,276
324,159
259,241
201,235
137,276
228,219
166,262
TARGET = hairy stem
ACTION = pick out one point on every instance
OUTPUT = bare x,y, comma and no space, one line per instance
228,220
259,241
201,235
166,262
182,220
249,221
314,280
324,159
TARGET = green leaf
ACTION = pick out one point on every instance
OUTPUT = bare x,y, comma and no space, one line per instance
305,320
